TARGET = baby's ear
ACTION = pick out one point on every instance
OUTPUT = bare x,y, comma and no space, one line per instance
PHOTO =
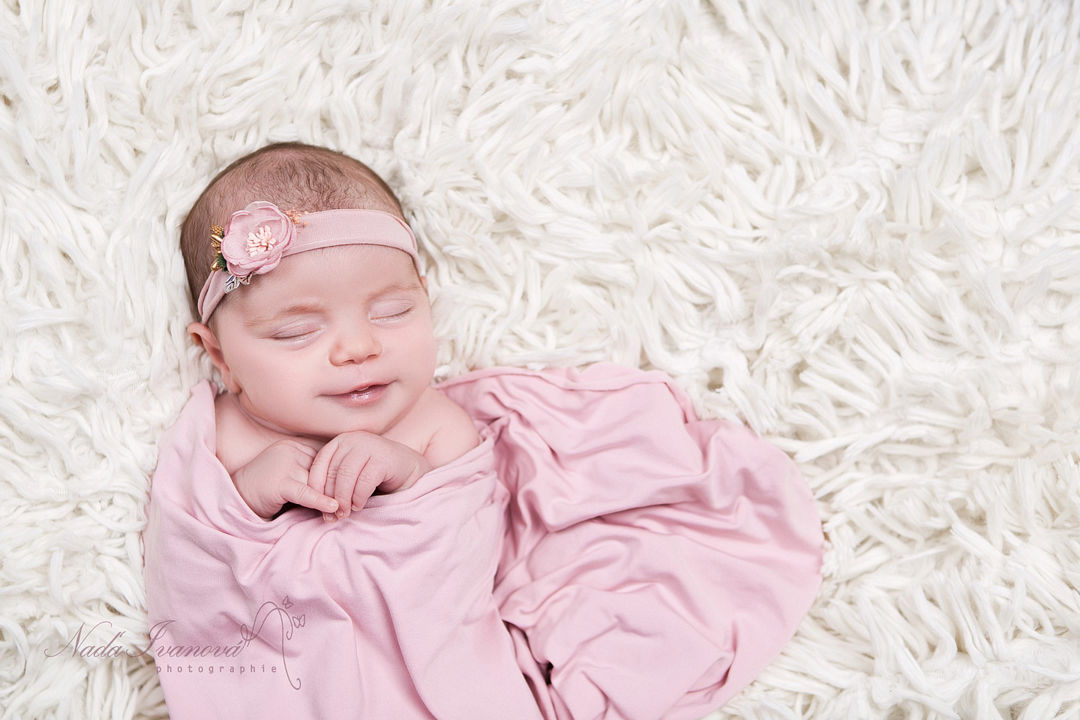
204,337
197,331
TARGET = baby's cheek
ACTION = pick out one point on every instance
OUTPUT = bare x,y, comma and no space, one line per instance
428,357
432,357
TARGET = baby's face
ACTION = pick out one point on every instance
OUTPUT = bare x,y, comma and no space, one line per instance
330,341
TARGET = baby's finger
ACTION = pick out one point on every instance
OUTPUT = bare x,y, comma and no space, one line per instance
331,480
368,479
317,471
346,469
316,479
360,496
300,494
305,451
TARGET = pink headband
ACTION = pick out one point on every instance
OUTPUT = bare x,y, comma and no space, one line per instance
258,236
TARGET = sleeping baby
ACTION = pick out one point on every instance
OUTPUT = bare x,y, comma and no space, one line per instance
330,535
312,308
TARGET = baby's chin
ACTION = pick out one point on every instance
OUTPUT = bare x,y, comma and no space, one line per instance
324,434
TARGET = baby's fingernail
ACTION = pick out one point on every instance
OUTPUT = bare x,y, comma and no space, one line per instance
327,517
340,513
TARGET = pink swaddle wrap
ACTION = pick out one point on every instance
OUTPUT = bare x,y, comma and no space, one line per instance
601,554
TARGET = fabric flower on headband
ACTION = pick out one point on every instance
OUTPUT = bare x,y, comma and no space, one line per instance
252,243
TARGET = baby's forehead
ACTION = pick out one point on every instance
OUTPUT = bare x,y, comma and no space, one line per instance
349,272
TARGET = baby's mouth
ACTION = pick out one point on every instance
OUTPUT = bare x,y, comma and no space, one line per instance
362,395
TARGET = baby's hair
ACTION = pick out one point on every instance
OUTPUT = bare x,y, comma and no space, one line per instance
293,176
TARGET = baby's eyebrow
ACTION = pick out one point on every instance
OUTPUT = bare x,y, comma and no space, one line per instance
294,309
396,287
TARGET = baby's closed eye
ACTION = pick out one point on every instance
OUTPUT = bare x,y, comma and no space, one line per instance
391,310
293,332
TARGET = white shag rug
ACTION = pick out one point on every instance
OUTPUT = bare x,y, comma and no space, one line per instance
854,226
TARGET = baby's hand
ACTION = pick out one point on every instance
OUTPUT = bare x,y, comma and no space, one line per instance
279,475
351,466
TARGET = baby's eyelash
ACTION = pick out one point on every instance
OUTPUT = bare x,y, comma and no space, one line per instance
391,316
290,334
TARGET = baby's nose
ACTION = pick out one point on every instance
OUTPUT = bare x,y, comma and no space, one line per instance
355,343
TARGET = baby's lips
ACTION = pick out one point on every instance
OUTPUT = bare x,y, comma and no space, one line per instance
358,387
